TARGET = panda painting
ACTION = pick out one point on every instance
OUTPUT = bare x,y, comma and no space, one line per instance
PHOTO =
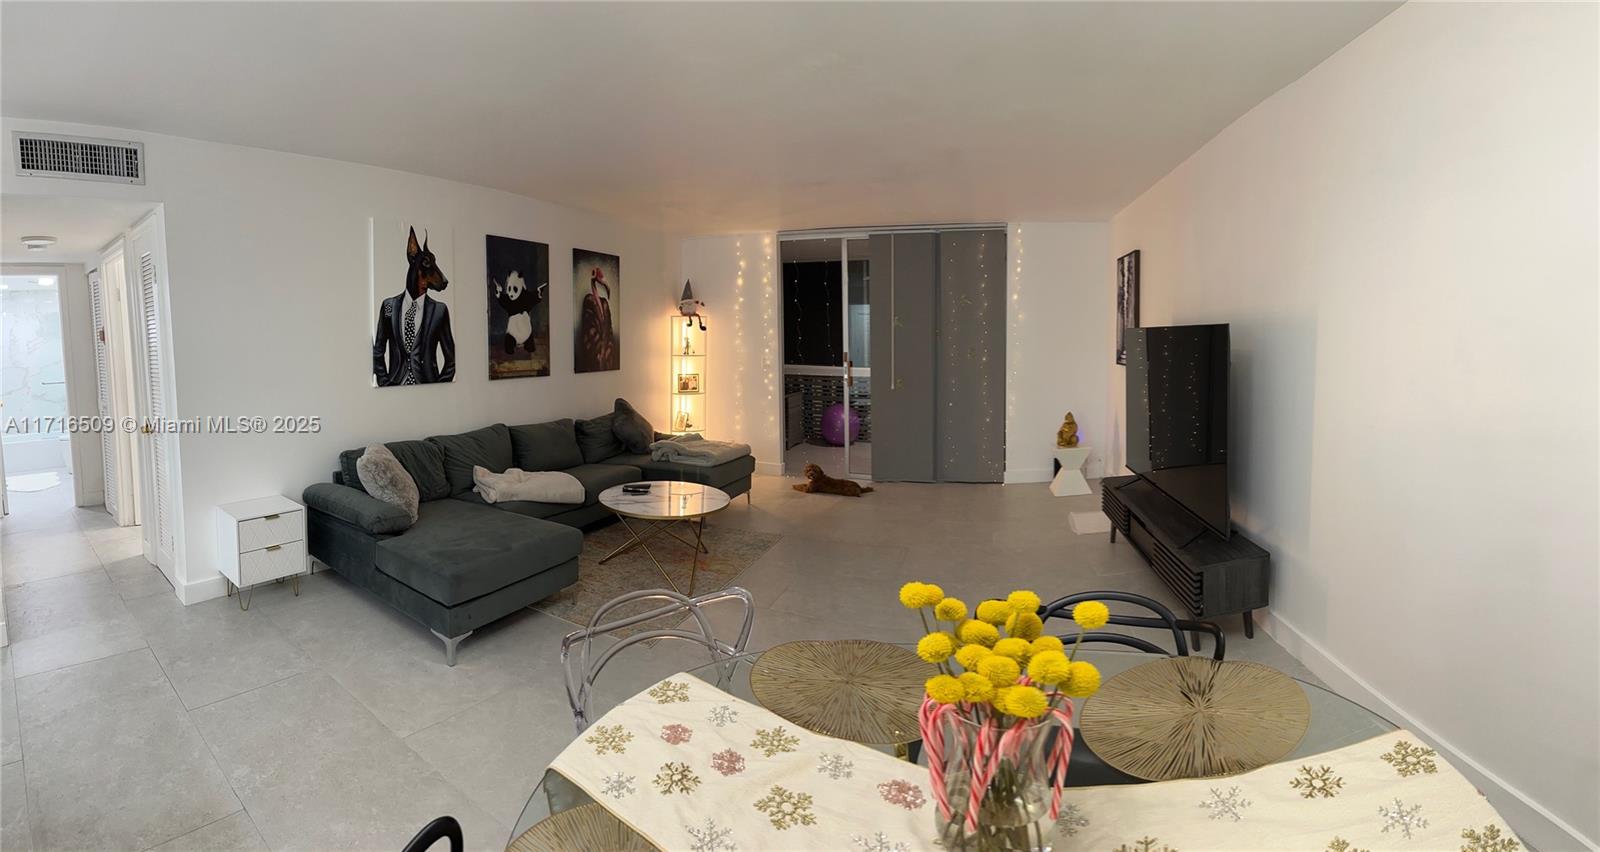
519,314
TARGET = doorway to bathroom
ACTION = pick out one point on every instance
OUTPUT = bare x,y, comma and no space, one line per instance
827,363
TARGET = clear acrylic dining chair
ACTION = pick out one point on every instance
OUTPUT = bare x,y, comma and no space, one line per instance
583,667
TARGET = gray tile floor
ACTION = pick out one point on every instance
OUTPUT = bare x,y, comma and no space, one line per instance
329,721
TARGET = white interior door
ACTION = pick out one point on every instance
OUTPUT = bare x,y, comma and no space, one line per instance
156,445
104,394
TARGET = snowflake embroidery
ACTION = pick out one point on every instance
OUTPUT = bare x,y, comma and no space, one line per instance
786,809
617,785
1070,820
722,714
1225,805
676,734
711,837
903,793
1408,759
1145,844
1339,844
1488,840
728,762
878,842
676,778
1400,817
1317,783
670,692
609,738
774,741
835,766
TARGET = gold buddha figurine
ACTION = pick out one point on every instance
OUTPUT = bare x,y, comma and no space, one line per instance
1067,435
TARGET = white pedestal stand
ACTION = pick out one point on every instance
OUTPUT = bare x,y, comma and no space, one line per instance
1069,481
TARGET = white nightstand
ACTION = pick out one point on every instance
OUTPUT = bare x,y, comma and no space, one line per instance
261,540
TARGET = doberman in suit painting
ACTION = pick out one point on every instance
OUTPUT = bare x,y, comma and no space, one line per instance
413,344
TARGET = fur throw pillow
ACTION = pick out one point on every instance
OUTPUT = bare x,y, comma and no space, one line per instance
539,486
386,479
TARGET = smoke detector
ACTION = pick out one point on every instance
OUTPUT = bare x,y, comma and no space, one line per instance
38,243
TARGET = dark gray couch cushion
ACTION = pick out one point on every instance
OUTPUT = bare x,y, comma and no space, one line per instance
457,551
597,440
421,459
359,508
631,428
489,446
717,476
546,446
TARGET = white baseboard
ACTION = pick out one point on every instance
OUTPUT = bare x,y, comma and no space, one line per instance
214,586
1537,826
769,468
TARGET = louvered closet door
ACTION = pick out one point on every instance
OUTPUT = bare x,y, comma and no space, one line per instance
103,406
155,385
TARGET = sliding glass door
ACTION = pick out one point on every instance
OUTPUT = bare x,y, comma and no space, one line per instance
827,359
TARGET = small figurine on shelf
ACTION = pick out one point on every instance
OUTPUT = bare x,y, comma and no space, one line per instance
1067,435
690,307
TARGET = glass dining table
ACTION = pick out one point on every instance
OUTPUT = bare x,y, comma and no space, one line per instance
1334,722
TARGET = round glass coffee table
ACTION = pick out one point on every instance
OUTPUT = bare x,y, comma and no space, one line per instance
653,512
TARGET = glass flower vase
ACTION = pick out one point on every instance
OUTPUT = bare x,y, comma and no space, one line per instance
1004,772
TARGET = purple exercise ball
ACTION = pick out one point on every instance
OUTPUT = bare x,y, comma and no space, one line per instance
833,424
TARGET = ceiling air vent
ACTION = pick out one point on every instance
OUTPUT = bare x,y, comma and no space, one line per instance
47,155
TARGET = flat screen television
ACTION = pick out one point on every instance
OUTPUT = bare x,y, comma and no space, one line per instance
1177,402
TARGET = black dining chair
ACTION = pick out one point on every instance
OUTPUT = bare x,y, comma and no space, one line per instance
1164,620
433,832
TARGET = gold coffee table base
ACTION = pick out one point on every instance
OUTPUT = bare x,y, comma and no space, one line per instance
586,828
854,689
1193,717
656,528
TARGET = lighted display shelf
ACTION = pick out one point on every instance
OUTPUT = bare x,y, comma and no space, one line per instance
687,345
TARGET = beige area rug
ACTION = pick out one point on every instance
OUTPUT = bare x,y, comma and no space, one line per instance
732,551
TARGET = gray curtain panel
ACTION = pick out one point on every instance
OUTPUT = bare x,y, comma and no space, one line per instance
904,315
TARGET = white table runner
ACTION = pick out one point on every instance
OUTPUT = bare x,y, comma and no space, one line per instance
691,767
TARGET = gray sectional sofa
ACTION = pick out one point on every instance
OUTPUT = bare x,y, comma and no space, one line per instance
465,563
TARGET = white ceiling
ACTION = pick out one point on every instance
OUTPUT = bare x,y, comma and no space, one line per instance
699,117
81,226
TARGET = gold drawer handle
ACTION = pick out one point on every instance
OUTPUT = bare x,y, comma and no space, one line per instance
271,517
272,547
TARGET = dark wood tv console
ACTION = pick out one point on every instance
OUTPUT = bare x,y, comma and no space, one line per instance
1212,576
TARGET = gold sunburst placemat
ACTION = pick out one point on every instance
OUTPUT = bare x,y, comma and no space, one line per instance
586,827
854,689
1192,717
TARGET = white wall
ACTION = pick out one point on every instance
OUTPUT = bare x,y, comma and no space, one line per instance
1057,344
270,316
1404,242
736,276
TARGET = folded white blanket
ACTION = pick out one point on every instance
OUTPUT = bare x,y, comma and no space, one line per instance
700,453
540,486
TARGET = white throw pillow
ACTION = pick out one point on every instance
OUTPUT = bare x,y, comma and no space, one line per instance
539,486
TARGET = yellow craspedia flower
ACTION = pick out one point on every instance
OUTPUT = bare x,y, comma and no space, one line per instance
1049,667
1026,702
911,595
950,609
1001,671
978,687
1083,680
1091,615
1024,625
945,689
994,612
1047,643
936,647
1023,601
931,594
970,655
1016,649
978,633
